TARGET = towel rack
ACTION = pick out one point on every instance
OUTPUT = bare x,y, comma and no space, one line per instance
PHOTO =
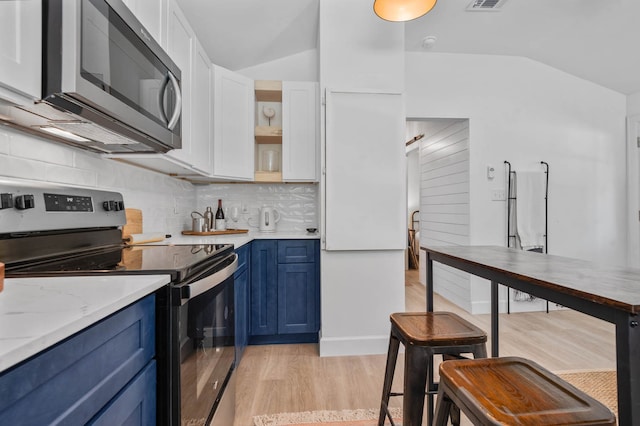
511,200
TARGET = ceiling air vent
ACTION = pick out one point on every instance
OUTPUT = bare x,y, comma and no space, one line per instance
486,5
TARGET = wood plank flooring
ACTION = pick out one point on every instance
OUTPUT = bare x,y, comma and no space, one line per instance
290,378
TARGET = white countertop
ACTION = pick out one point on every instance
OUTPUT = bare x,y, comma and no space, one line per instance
237,240
36,313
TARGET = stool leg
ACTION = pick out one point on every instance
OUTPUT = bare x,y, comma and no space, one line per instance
392,356
480,350
417,361
443,408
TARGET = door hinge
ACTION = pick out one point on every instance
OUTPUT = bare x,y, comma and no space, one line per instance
638,141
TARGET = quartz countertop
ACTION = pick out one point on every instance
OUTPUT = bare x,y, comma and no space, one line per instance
36,313
238,240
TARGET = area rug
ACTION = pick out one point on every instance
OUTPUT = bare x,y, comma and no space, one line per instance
360,417
599,384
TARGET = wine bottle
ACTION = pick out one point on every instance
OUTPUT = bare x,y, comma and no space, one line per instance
221,224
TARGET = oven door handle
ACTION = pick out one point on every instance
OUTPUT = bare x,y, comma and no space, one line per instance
205,284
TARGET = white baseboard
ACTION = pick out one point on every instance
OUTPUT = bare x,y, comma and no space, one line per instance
361,345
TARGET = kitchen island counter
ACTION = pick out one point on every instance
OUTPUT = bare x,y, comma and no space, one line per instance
36,313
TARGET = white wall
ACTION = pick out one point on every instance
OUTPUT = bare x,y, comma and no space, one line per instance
165,202
302,66
526,112
359,289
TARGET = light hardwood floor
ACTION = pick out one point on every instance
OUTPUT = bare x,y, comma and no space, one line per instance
290,378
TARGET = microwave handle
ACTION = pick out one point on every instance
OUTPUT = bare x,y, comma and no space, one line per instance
207,283
178,108
171,123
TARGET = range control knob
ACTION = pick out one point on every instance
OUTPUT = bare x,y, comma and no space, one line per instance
24,202
112,205
6,201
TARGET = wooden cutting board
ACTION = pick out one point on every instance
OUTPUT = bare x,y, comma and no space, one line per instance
134,222
225,232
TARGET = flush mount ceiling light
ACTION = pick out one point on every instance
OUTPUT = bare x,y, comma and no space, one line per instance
402,10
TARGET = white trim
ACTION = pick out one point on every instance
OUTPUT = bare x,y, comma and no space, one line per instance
354,345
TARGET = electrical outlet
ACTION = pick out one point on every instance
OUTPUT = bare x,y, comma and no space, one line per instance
498,195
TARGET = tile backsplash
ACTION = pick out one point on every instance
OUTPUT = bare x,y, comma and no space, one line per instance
166,202
297,204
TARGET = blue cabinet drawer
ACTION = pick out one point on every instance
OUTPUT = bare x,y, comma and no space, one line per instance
297,251
72,381
135,405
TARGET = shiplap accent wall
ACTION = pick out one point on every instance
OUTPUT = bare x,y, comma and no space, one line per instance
444,202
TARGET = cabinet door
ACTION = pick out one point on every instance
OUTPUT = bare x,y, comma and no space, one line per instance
180,47
264,288
299,131
297,298
233,118
241,286
365,179
201,112
152,16
21,47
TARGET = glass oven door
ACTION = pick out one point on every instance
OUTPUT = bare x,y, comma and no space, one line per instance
206,338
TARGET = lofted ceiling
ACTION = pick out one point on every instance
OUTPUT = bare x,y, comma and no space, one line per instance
593,39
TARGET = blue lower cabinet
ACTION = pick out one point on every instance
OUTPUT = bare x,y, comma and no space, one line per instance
241,289
135,405
285,291
74,380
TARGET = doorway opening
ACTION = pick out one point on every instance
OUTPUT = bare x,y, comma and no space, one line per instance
437,152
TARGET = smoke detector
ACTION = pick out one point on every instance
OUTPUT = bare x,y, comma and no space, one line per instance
486,5
428,42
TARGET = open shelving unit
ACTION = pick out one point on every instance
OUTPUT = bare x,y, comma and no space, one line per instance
268,137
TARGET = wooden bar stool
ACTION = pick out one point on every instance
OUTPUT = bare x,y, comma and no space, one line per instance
514,391
425,334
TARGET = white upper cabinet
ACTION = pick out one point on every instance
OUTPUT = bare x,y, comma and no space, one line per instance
152,15
300,131
233,125
20,50
185,50
181,47
201,147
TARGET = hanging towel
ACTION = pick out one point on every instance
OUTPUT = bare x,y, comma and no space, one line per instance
530,193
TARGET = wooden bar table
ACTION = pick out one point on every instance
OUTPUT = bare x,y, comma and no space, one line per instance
607,292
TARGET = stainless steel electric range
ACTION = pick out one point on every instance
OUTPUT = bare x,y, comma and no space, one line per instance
49,230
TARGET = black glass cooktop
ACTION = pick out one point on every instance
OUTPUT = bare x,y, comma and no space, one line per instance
179,260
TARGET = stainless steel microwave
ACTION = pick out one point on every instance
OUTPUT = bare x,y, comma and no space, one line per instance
107,85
